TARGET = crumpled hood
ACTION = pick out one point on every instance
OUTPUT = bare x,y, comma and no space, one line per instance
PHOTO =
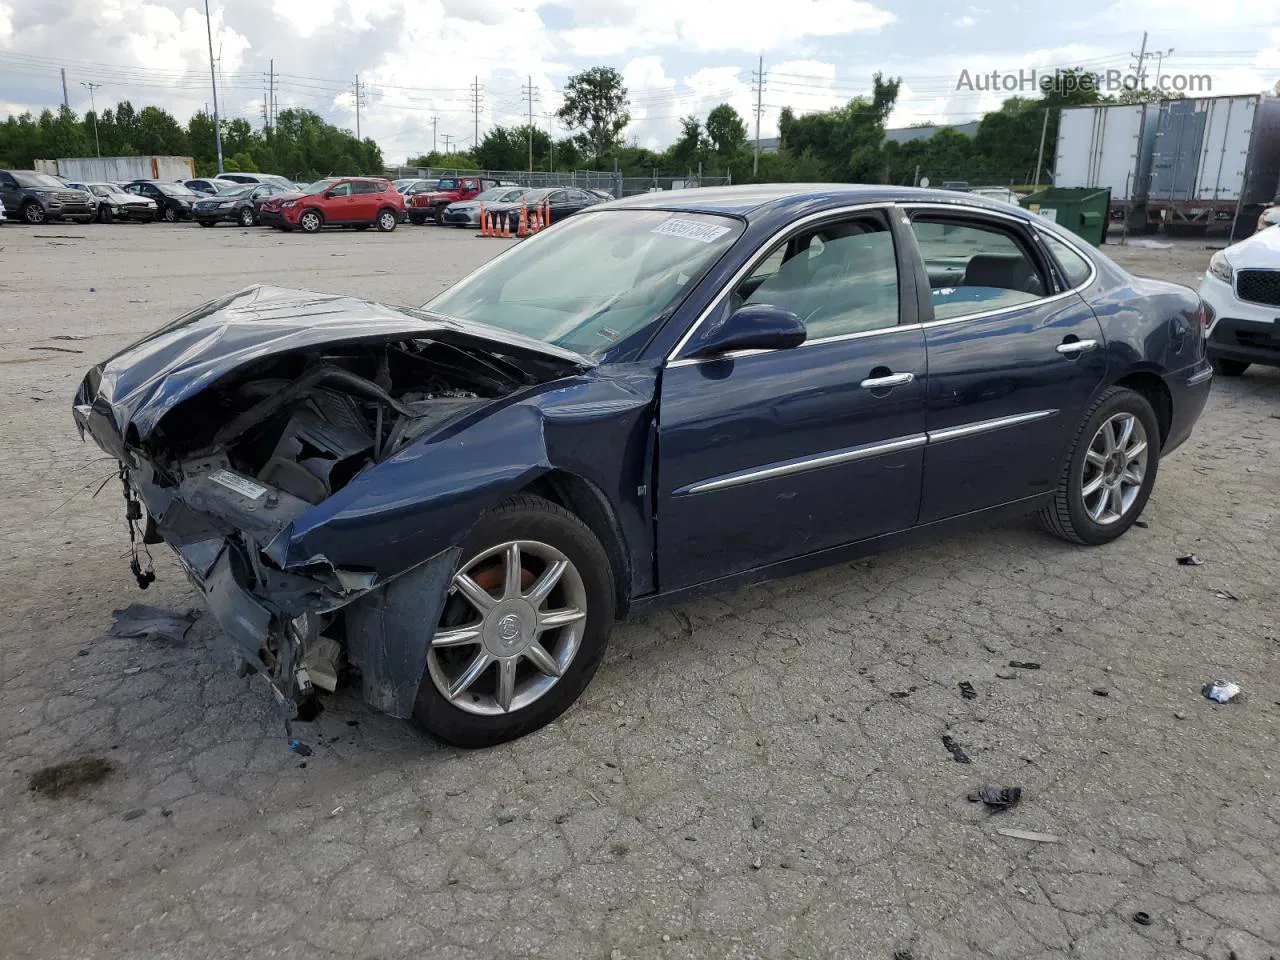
134,389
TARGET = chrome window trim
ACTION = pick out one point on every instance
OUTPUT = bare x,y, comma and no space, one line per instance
673,360
756,259
802,464
987,426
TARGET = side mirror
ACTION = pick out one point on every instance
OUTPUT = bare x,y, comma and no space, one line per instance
757,326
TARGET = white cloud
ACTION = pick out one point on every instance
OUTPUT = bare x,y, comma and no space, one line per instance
965,21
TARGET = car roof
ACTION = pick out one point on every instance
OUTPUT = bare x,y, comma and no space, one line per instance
752,200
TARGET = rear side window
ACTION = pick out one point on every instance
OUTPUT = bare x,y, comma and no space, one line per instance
976,267
363,186
1074,267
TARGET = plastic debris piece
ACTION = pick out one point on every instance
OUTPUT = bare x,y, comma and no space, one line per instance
134,814
956,751
1024,664
143,622
1000,798
1190,560
300,748
1101,692
967,691
1143,918
1221,691
1032,835
1225,595
335,811
1141,523
1007,674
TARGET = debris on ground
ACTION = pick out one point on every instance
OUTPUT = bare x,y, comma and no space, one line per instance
1024,664
1221,691
1225,595
1148,244
1007,674
300,748
142,622
63,778
1141,523
757,821
56,349
134,814
1190,560
967,691
1142,918
998,798
956,751
1031,835
1101,692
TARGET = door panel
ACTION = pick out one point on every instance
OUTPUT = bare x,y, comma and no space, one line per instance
1008,389
838,462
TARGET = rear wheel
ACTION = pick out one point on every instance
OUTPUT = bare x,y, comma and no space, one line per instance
386,220
246,217
1228,368
1109,470
523,628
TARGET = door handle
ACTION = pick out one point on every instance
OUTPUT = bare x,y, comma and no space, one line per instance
884,383
1074,347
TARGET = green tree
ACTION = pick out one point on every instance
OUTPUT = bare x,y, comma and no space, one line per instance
726,130
595,102
685,153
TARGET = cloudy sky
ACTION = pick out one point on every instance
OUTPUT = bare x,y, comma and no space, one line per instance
419,58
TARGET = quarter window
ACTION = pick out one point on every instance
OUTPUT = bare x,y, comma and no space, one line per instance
975,268
839,278
1074,267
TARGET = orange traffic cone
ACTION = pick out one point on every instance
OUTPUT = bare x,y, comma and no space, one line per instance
484,224
523,229
506,226
548,217
536,225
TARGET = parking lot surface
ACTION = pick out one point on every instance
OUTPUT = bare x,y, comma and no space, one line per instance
758,775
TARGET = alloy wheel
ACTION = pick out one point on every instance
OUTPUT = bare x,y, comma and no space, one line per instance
33,213
310,221
246,217
387,220
170,215
1115,467
513,623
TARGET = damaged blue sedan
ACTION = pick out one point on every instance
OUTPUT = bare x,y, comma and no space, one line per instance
661,397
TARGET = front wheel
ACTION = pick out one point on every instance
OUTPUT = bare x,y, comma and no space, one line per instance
386,220
33,213
523,628
1228,368
170,215
310,221
1109,470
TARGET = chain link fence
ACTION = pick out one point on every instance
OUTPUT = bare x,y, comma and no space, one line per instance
612,183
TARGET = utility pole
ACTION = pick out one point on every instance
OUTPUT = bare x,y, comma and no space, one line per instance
531,94
475,107
1044,128
447,137
1141,56
551,139
359,97
213,79
97,148
758,79
271,95
66,102
1160,55
435,123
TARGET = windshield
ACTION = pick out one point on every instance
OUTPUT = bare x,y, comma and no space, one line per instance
320,186
595,280
500,195
174,190
38,180
447,185
238,191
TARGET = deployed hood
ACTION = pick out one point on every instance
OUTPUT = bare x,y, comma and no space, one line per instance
134,389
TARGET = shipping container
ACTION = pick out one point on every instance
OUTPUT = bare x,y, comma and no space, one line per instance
1216,161
119,169
1105,147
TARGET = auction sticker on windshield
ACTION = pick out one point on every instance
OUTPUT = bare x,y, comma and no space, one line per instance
232,481
691,230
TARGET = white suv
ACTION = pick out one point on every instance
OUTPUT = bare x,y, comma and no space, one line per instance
1242,290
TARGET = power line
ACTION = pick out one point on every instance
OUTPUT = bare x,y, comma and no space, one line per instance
97,148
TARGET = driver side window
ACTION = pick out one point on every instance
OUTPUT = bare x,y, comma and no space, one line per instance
839,278
341,190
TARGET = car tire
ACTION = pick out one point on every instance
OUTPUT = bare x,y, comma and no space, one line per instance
170,215
311,221
1069,515
246,217
1225,367
437,216
386,221
576,649
33,213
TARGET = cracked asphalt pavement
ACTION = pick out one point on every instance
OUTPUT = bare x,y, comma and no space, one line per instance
756,775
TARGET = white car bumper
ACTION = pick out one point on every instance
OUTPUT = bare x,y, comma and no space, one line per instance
1240,329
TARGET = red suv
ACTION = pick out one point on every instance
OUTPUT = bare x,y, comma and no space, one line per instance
359,202
429,206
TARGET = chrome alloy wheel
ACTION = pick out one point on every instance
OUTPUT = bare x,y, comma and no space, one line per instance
1114,468
512,624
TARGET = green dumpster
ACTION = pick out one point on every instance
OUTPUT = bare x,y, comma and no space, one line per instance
1082,210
